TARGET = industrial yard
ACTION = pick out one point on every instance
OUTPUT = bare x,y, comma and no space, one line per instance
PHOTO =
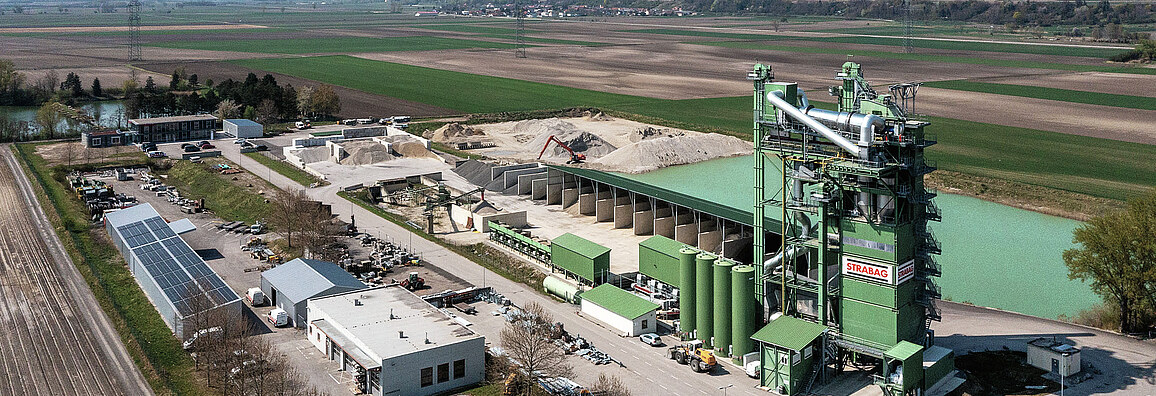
571,201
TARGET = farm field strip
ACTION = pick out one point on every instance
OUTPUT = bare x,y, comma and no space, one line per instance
928,58
972,147
1026,48
334,45
1065,95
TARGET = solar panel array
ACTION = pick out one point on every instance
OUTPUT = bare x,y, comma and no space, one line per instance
181,274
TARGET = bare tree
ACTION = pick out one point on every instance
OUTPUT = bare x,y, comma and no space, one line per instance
286,215
267,112
305,101
609,386
227,109
326,101
528,341
70,150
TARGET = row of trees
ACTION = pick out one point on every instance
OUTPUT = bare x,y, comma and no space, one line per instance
306,224
262,100
16,90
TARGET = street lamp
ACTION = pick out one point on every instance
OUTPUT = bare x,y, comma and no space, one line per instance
724,388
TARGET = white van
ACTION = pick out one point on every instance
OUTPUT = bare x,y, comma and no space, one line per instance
255,296
278,317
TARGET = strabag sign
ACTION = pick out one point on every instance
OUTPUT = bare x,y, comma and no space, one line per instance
886,273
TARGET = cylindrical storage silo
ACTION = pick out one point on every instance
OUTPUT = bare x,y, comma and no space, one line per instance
704,297
558,287
686,289
744,309
722,305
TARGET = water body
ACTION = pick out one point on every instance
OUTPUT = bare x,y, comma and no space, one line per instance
993,255
106,113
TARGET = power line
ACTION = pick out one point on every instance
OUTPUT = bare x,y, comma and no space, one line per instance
908,45
520,31
134,30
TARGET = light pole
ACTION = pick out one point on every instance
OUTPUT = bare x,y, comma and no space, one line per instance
724,388
1063,363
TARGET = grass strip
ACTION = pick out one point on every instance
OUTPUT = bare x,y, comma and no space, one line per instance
288,170
1060,94
481,254
154,350
333,45
226,199
930,58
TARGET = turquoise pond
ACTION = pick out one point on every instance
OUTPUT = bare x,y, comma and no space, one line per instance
993,255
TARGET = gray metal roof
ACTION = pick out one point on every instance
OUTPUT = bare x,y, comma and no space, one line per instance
161,120
242,122
301,279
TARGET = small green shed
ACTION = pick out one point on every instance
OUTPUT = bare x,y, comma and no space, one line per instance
789,348
577,256
658,259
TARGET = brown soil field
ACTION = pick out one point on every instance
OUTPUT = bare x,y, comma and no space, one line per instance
88,29
1113,83
354,103
110,76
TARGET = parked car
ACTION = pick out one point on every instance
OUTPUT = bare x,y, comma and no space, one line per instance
239,141
255,297
191,149
157,154
752,369
202,143
278,317
183,145
261,147
146,147
207,146
651,339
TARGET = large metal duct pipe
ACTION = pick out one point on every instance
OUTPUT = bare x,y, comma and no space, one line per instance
868,124
775,97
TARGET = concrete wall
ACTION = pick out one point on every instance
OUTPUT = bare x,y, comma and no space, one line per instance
1042,359
618,323
514,219
510,178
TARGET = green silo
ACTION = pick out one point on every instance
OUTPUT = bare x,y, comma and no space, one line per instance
722,305
704,297
744,309
686,315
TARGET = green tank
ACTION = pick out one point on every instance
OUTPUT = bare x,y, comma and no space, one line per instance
744,309
722,305
704,297
686,317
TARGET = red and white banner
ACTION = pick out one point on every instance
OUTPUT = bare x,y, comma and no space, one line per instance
872,270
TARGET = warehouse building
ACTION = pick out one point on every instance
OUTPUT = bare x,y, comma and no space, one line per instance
171,274
288,286
579,258
243,128
621,310
174,129
395,343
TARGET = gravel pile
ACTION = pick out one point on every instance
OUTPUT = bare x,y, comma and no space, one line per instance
578,140
363,152
477,172
654,153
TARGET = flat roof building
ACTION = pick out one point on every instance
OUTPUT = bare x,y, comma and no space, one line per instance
395,343
174,129
171,274
243,128
622,310
289,286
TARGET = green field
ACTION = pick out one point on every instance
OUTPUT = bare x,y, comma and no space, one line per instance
929,58
1065,95
334,45
898,42
1029,156
286,169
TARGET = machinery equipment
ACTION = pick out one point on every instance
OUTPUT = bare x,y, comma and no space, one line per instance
443,199
414,282
700,359
575,158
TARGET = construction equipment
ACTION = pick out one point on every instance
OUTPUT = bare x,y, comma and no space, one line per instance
692,353
442,199
575,158
414,282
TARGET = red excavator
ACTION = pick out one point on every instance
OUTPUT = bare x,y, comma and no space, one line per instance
575,158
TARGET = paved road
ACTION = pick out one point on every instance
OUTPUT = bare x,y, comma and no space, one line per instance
1127,366
54,338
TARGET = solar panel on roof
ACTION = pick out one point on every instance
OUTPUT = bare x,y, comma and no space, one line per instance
180,273
159,228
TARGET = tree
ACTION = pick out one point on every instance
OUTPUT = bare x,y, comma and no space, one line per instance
10,83
305,101
326,101
286,216
1117,256
250,113
267,112
1147,49
96,90
72,84
609,386
175,82
150,85
527,339
193,81
227,109
45,87
48,118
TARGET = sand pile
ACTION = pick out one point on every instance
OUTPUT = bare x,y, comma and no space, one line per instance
597,116
579,141
651,133
653,153
310,155
477,172
363,152
455,133
412,149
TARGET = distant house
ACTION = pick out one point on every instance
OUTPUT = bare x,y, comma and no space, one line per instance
288,286
425,14
105,138
174,129
243,128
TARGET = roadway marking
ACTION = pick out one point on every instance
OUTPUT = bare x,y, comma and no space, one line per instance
334,378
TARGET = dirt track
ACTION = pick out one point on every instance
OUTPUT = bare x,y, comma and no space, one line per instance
54,338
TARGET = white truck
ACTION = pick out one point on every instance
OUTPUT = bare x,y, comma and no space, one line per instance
278,317
255,296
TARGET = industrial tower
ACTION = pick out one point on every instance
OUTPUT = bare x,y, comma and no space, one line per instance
134,32
856,256
519,31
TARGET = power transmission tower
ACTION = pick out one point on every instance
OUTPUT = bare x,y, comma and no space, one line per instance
520,31
908,45
134,30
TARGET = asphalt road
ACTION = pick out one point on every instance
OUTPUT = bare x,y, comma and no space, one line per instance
54,337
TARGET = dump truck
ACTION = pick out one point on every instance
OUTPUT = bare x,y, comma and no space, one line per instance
699,359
